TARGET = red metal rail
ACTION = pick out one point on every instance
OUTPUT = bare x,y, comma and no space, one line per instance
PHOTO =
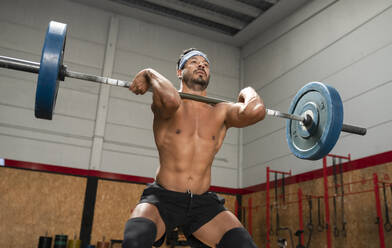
268,214
326,203
339,156
268,209
326,196
280,172
301,221
379,212
250,215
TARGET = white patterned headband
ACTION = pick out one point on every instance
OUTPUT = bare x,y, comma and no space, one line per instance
189,55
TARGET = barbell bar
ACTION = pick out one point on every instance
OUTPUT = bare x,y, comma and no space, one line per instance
313,124
33,67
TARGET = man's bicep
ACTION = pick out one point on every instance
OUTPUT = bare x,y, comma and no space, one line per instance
233,118
160,112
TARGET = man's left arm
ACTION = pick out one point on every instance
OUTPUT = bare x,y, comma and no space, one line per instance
248,110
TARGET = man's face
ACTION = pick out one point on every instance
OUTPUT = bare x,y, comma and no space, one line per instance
196,73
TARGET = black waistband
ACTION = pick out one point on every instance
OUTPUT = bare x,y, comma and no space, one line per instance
155,184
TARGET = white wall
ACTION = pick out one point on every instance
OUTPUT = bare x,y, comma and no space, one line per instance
127,141
142,45
346,44
67,139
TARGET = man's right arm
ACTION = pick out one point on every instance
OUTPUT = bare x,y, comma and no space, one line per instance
166,99
248,110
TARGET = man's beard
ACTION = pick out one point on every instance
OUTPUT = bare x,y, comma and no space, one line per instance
196,84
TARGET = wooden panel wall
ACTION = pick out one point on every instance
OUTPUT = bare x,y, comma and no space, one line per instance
33,203
113,206
115,201
360,210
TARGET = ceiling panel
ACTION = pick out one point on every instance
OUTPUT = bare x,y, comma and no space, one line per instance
225,16
230,21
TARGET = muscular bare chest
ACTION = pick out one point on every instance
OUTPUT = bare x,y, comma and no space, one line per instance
193,122
199,120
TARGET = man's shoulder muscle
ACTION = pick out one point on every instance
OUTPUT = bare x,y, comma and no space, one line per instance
158,113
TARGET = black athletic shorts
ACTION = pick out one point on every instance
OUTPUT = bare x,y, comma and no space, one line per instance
184,210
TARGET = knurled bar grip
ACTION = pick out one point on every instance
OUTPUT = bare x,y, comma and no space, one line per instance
19,64
33,67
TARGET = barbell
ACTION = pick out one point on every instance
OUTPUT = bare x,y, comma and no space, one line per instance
314,121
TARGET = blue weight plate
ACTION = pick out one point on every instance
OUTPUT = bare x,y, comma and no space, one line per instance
48,77
327,105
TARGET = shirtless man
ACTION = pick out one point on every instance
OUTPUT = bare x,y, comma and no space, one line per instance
188,134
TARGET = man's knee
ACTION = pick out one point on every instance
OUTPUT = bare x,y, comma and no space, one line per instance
236,238
139,232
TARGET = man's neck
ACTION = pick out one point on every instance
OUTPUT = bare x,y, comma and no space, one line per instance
184,88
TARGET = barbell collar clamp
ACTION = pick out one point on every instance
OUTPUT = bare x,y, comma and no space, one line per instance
279,114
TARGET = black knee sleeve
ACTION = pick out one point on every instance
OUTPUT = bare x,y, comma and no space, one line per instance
139,233
236,238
